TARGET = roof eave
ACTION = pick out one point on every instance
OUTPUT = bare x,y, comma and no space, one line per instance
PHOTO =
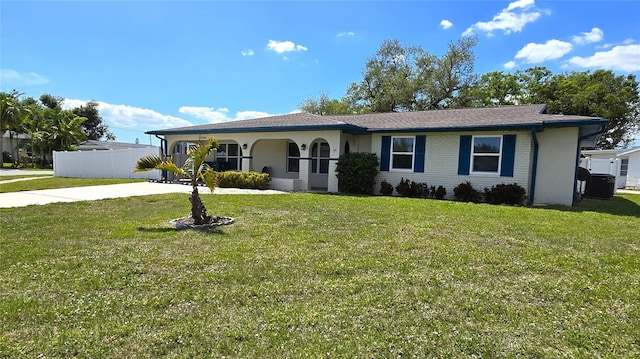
339,127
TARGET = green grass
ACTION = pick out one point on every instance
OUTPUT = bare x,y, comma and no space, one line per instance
60,182
5,178
309,275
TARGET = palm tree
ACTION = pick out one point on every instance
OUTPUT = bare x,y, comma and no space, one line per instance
11,115
194,168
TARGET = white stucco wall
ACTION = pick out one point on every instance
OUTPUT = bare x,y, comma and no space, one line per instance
556,166
633,174
441,162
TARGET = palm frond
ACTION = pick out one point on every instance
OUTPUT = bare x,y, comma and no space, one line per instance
147,163
172,167
209,178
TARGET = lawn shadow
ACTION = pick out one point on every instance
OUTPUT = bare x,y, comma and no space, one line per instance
619,205
209,230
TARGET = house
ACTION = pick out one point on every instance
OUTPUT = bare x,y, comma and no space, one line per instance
486,146
11,142
622,163
90,145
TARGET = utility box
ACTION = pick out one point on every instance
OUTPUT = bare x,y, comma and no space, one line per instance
600,186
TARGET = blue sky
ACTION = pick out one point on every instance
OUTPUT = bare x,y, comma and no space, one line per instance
154,65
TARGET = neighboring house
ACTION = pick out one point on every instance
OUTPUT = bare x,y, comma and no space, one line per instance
11,141
622,163
486,146
98,145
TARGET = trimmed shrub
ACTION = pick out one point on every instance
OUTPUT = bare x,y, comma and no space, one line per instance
7,157
245,180
440,192
386,188
407,188
466,193
513,194
356,172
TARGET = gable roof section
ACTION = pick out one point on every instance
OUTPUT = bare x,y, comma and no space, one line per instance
483,118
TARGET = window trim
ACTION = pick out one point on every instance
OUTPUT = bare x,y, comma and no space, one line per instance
473,154
624,167
289,143
318,158
227,157
392,153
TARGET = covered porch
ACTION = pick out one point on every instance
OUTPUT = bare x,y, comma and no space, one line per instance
297,160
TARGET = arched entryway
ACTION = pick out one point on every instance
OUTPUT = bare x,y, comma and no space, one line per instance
319,165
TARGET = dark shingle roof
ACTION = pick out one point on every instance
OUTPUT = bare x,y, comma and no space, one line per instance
434,120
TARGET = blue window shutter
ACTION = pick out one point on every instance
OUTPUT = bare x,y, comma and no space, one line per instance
464,155
508,155
418,164
385,153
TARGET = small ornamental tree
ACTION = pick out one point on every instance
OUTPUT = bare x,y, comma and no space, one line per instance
356,172
194,168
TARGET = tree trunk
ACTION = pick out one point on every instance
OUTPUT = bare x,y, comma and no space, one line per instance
198,212
1,151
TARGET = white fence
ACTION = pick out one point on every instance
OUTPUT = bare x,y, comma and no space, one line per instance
103,163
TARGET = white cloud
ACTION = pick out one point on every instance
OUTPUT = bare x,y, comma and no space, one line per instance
15,78
509,65
520,4
213,115
446,24
511,19
247,53
620,58
595,35
131,117
284,46
345,33
536,53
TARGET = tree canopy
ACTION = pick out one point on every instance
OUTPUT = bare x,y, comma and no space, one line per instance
407,78
49,126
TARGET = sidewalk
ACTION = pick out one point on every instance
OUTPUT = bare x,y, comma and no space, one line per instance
92,193
16,172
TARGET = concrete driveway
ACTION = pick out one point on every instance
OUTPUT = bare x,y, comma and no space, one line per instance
92,193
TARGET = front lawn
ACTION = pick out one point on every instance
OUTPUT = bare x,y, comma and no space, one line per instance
311,275
60,182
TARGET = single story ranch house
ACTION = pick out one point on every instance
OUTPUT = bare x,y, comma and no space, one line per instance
486,146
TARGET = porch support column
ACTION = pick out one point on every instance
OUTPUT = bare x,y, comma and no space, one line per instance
303,175
332,181
247,164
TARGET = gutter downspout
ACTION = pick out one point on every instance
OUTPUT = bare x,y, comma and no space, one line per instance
575,176
534,165
163,154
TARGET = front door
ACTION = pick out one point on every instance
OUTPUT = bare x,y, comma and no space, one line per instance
319,177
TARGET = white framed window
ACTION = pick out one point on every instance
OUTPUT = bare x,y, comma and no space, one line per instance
485,154
402,152
320,157
624,167
229,157
293,157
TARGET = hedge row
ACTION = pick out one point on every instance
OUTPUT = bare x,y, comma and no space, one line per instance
246,180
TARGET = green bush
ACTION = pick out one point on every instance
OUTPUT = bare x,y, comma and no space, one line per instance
513,194
246,180
356,172
386,188
7,157
440,192
412,189
466,193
